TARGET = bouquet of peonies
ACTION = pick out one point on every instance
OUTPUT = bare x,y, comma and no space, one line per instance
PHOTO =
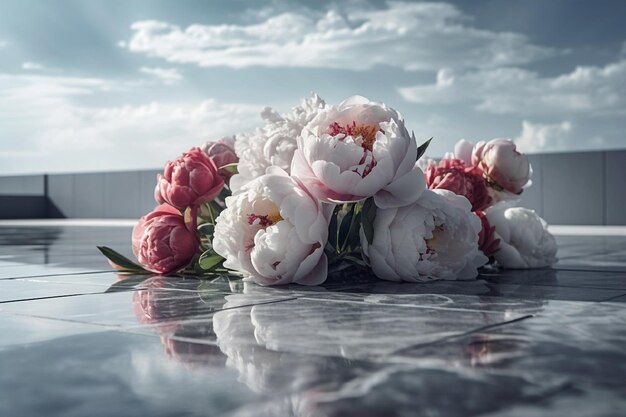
327,187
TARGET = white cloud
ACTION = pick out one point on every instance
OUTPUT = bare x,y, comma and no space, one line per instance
406,35
33,66
45,129
166,75
587,89
537,137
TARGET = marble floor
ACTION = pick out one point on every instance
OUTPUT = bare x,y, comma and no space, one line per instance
78,340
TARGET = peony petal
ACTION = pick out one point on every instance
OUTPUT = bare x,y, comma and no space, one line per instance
463,151
403,191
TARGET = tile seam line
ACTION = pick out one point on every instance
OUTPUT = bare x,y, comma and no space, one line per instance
620,271
50,297
58,275
559,286
63,320
115,326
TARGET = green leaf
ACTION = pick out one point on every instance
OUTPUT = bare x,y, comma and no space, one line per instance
344,227
338,266
216,209
368,215
120,260
354,240
232,168
355,260
422,148
209,260
127,284
206,229
332,229
224,193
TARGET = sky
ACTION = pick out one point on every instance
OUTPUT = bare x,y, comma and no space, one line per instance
127,84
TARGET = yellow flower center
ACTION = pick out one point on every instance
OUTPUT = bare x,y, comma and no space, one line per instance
264,220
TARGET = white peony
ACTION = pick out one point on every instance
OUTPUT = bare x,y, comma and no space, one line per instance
275,143
507,172
503,166
434,238
524,239
274,231
356,150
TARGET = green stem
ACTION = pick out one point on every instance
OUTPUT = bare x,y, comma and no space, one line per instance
211,213
347,238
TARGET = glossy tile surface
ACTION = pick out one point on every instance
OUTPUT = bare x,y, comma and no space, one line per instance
77,340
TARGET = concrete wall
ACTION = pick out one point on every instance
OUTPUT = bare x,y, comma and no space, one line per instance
579,188
568,188
121,195
23,197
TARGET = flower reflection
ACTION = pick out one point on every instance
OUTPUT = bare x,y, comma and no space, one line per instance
293,381
162,304
381,351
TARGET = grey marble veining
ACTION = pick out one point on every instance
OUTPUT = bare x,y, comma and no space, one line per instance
80,340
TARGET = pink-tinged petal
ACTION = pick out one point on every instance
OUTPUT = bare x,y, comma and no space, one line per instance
222,153
300,167
302,171
335,181
477,152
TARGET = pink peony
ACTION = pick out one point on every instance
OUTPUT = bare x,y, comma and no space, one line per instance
190,180
162,242
503,166
455,176
222,152
148,309
487,241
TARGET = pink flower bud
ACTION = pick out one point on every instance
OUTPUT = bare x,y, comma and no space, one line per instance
502,164
222,153
162,242
487,241
190,180
453,175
